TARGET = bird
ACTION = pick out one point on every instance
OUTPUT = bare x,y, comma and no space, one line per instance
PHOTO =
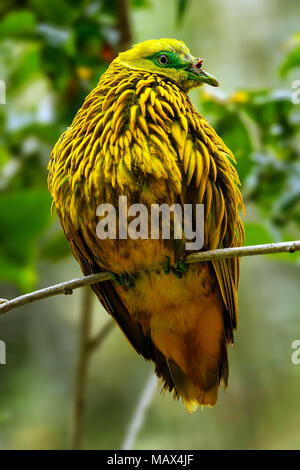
138,135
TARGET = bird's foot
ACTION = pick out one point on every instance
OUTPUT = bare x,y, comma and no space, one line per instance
125,280
179,270
167,266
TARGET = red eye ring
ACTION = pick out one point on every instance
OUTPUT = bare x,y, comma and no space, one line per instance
199,63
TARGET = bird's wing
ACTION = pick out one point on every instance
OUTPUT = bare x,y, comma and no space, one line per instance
210,178
105,291
112,303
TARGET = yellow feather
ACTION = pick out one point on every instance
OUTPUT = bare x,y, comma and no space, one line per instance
143,124
213,169
133,114
160,110
151,111
168,108
191,168
199,169
184,122
206,157
208,198
186,154
143,99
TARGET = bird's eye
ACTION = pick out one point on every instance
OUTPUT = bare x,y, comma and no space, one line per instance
163,59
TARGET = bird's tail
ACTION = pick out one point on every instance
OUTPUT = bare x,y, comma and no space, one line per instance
193,394
196,362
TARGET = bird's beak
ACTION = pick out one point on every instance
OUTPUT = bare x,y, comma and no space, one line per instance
196,72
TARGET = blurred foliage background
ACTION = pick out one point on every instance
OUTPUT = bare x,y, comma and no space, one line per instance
51,55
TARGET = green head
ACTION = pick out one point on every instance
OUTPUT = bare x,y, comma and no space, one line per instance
168,57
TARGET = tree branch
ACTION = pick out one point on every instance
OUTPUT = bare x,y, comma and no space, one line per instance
87,344
98,339
240,251
221,253
123,25
66,288
82,368
140,412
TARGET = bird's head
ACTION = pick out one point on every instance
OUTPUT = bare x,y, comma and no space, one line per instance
168,57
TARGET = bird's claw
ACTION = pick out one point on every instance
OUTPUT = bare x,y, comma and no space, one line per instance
179,270
167,266
125,280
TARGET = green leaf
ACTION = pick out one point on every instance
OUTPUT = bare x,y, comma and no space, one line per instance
29,66
256,234
61,12
22,276
140,4
236,136
24,216
17,23
56,248
292,59
4,156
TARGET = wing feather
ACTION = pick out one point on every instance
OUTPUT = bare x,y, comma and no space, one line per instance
210,178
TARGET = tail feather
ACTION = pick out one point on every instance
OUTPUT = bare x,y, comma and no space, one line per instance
195,394
196,379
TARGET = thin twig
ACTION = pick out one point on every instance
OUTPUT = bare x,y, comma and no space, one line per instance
82,368
98,339
221,253
87,344
66,288
240,251
139,412
124,29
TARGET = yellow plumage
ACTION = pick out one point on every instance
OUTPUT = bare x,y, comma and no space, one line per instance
138,134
